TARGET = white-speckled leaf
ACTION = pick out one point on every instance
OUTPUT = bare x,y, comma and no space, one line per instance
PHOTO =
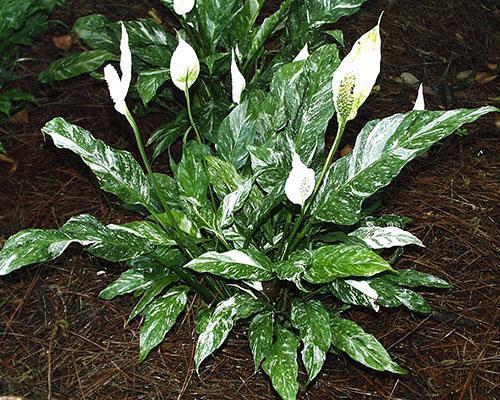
249,264
382,149
149,82
234,201
351,295
281,364
39,245
117,170
361,346
160,316
377,237
260,336
341,260
312,320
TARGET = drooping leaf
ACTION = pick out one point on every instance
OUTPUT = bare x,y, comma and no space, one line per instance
313,322
385,220
39,245
385,237
414,279
150,81
341,260
117,170
247,264
216,327
160,316
361,346
392,295
383,148
76,64
260,336
281,363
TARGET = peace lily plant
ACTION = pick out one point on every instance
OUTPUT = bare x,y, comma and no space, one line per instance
258,224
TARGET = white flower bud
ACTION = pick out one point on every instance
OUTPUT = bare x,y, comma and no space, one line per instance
365,288
420,102
237,80
303,54
300,183
353,80
184,65
118,88
182,7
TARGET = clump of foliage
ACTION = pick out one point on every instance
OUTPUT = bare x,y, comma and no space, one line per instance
20,22
258,222
215,30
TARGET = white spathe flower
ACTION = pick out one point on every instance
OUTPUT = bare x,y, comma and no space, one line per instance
303,54
184,65
118,87
237,80
300,183
365,288
182,7
354,78
420,102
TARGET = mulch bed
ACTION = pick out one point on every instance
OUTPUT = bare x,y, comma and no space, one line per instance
58,340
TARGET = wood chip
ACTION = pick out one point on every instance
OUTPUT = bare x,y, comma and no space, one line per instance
63,42
485,77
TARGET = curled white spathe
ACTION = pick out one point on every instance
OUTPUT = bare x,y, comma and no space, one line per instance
356,75
303,54
184,65
300,183
420,102
238,82
365,288
182,7
118,87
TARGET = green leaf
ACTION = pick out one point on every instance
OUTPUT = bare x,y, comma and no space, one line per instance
313,322
150,81
350,295
270,165
191,175
39,245
167,134
213,17
160,316
223,176
234,264
236,132
217,326
94,31
260,336
361,346
117,170
293,268
281,364
233,202
76,64
385,237
392,295
414,279
383,148
342,260
243,22
338,35
386,220
2,148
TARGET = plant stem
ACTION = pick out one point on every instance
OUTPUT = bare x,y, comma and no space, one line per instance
190,115
305,209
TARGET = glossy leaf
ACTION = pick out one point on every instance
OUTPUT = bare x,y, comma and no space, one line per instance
313,322
392,295
351,295
281,363
260,336
213,17
150,81
94,31
191,175
361,346
414,279
76,64
385,237
341,260
117,170
247,264
160,316
382,149
234,201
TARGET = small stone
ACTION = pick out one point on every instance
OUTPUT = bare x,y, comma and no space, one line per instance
409,79
463,75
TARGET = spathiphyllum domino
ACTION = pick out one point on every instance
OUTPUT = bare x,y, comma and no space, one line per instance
261,222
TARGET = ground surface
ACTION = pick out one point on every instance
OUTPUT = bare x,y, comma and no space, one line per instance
58,340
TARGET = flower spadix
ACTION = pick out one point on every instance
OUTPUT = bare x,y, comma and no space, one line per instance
182,7
365,288
238,82
118,87
300,183
353,80
184,65
303,54
420,102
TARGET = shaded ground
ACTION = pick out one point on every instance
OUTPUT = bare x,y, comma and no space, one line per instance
58,340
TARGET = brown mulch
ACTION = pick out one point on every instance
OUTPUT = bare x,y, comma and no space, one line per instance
58,340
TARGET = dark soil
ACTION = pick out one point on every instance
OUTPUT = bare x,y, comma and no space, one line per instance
58,340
